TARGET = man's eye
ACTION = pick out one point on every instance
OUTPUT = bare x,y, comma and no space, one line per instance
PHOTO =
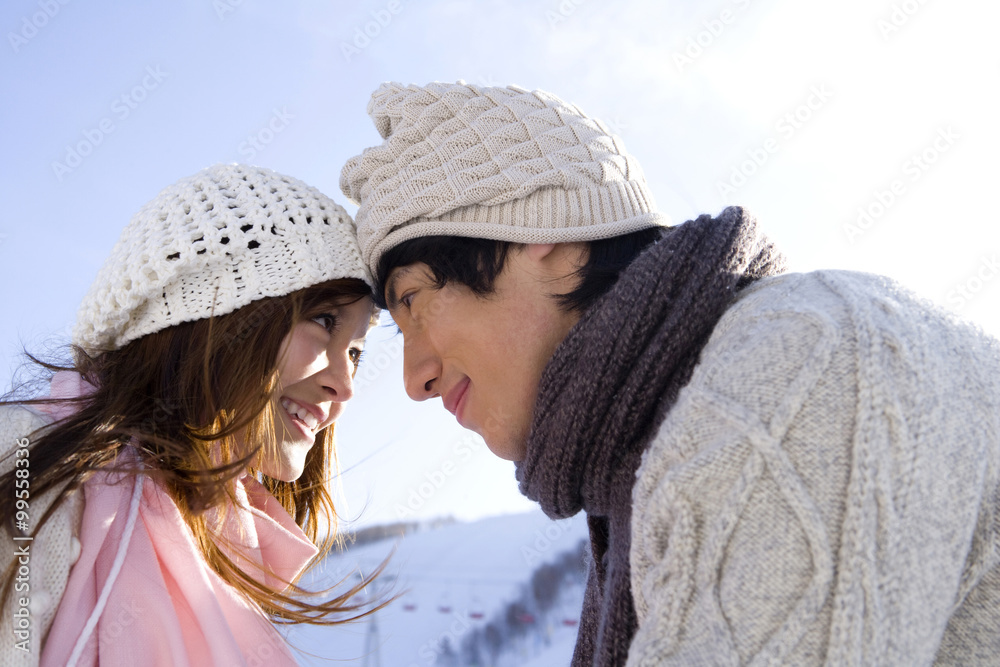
325,320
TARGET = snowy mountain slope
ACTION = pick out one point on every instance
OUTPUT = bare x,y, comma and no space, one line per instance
454,581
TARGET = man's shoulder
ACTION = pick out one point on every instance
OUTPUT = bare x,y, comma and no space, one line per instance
786,335
855,288
827,289
855,300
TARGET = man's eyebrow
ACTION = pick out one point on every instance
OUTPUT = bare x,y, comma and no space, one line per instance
390,286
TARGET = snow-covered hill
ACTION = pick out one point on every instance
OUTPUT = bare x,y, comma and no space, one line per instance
456,581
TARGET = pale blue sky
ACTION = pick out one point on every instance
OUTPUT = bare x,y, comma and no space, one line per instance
804,112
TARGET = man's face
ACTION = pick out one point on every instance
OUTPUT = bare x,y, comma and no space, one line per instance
484,356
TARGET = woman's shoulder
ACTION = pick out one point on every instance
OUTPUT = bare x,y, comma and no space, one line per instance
56,545
17,423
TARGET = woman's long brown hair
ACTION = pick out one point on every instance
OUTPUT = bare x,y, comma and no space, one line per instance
182,397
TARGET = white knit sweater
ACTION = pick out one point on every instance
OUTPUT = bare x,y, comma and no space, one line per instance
825,489
51,554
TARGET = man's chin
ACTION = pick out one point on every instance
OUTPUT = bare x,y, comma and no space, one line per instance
505,448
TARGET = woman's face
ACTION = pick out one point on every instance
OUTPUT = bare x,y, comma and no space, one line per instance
316,366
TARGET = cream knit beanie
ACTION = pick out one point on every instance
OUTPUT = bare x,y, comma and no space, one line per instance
498,163
212,243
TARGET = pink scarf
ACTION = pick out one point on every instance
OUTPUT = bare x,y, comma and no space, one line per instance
160,602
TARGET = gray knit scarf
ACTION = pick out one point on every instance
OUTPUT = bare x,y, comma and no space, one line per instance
609,385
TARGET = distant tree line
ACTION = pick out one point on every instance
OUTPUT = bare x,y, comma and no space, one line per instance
387,531
527,618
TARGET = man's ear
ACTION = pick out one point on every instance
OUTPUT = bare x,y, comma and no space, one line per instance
536,252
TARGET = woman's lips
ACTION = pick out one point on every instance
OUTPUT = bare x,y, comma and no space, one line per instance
303,416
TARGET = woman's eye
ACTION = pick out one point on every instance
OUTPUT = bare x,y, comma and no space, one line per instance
407,300
325,320
356,354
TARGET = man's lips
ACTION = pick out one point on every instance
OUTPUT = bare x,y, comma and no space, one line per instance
453,399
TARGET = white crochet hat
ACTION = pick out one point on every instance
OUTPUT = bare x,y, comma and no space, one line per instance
212,243
498,163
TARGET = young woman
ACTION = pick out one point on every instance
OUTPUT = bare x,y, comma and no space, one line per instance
160,503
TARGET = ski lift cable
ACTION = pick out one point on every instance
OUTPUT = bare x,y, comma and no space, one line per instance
515,577
370,455
450,580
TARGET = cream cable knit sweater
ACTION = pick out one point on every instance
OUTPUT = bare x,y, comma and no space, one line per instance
825,490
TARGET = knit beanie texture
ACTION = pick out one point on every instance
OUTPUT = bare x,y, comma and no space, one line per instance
210,244
488,162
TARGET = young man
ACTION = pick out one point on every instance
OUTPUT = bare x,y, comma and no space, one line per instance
776,468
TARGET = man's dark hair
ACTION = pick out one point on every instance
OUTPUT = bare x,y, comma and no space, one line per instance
476,263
